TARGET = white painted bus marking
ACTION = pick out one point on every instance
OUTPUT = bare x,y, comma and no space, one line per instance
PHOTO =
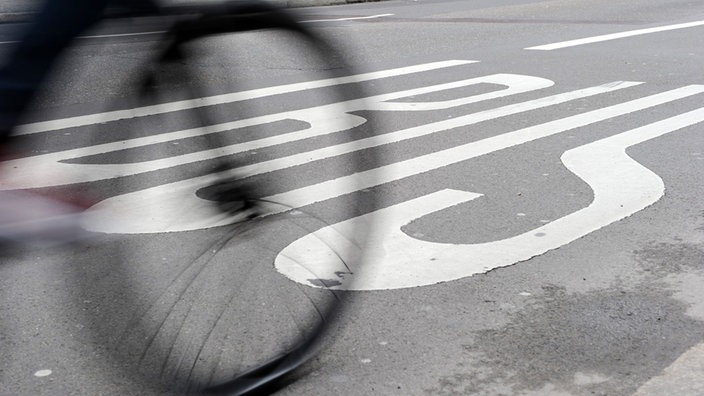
160,204
436,160
53,169
395,260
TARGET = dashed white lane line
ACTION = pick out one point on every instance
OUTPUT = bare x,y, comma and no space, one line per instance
683,377
614,36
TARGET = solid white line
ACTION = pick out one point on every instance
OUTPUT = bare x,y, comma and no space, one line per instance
614,36
347,19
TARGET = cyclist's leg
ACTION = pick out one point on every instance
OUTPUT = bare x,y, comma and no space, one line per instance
57,23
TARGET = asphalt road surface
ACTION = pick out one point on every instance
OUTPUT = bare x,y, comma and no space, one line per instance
545,232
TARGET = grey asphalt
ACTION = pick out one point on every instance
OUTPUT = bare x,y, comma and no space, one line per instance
616,312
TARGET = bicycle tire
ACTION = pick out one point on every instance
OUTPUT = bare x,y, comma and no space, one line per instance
180,331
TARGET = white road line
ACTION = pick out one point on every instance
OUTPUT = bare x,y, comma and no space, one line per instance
614,36
96,118
347,19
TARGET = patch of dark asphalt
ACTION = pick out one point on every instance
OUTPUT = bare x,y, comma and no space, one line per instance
660,258
605,342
